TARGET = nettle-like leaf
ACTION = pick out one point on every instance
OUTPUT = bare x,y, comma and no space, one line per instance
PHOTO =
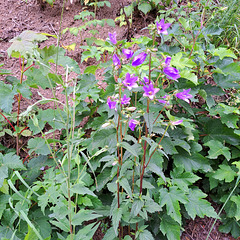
116,217
230,225
217,149
170,227
25,44
222,53
236,200
171,199
39,146
197,206
9,161
225,172
183,179
7,93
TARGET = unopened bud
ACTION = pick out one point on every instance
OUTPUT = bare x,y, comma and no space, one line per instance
131,109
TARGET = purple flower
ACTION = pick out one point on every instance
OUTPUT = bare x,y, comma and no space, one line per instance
184,95
116,60
112,37
162,27
125,99
176,122
111,104
132,124
150,91
146,80
130,82
167,97
139,59
128,53
172,73
167,61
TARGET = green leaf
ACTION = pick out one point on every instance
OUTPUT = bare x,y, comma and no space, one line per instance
11,160
6,93
25,44
79,189
38,145
31,235
225,172
183,179
110,22
189,76
87,232
126,186
236,200
136,207
223,52
145,235
185,23
170,228
144,7
216,149
182,62
230,225
84,215
171,199
116,218
193,162
197,206
133,149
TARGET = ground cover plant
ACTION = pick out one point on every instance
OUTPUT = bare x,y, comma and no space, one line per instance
158,137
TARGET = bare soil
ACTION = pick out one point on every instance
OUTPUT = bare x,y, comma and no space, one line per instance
17,16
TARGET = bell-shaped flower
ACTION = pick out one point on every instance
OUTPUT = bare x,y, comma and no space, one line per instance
113,37
168,61
162,27
125,100
165,102
116,60
172,73
128,53
130,82
132,124
139,59
150,91
111,104
174,123
184,95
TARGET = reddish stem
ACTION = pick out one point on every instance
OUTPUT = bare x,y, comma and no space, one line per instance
8,122
23,130
28,67
25,158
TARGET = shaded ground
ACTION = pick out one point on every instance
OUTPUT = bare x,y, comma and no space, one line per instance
17,16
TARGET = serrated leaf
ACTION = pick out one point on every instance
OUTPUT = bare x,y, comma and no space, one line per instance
223,52
136,207
144,7
126,186
217,149
236,200
84,215
145,235
170,227
12,161
80,189
171,199
183,179
116,218
197,206
130,148
189,76
6,93
224,172
230,225
38,145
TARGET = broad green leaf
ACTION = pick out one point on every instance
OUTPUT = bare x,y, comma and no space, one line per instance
225,172
145,235
182,62
39,146
195,161
31,235
197,206
133,149
230,225
6,93
79,189
126,186
170,227
12,161
88,231
236,200
3,174
109,235
216,149
103,178
5,188
116,218
136,207
171,199
144,7
189,76
183,179
84,215
151,206
223,52
25,44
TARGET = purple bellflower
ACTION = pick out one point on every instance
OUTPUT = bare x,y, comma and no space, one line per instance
176,122
172,73
167,97
125,99
130,82
111,104
132,124
184,95
146,80
167,61
150,91
128,53
116,60
113,37
139,59
162,27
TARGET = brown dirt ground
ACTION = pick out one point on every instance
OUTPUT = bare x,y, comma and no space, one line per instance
17,16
